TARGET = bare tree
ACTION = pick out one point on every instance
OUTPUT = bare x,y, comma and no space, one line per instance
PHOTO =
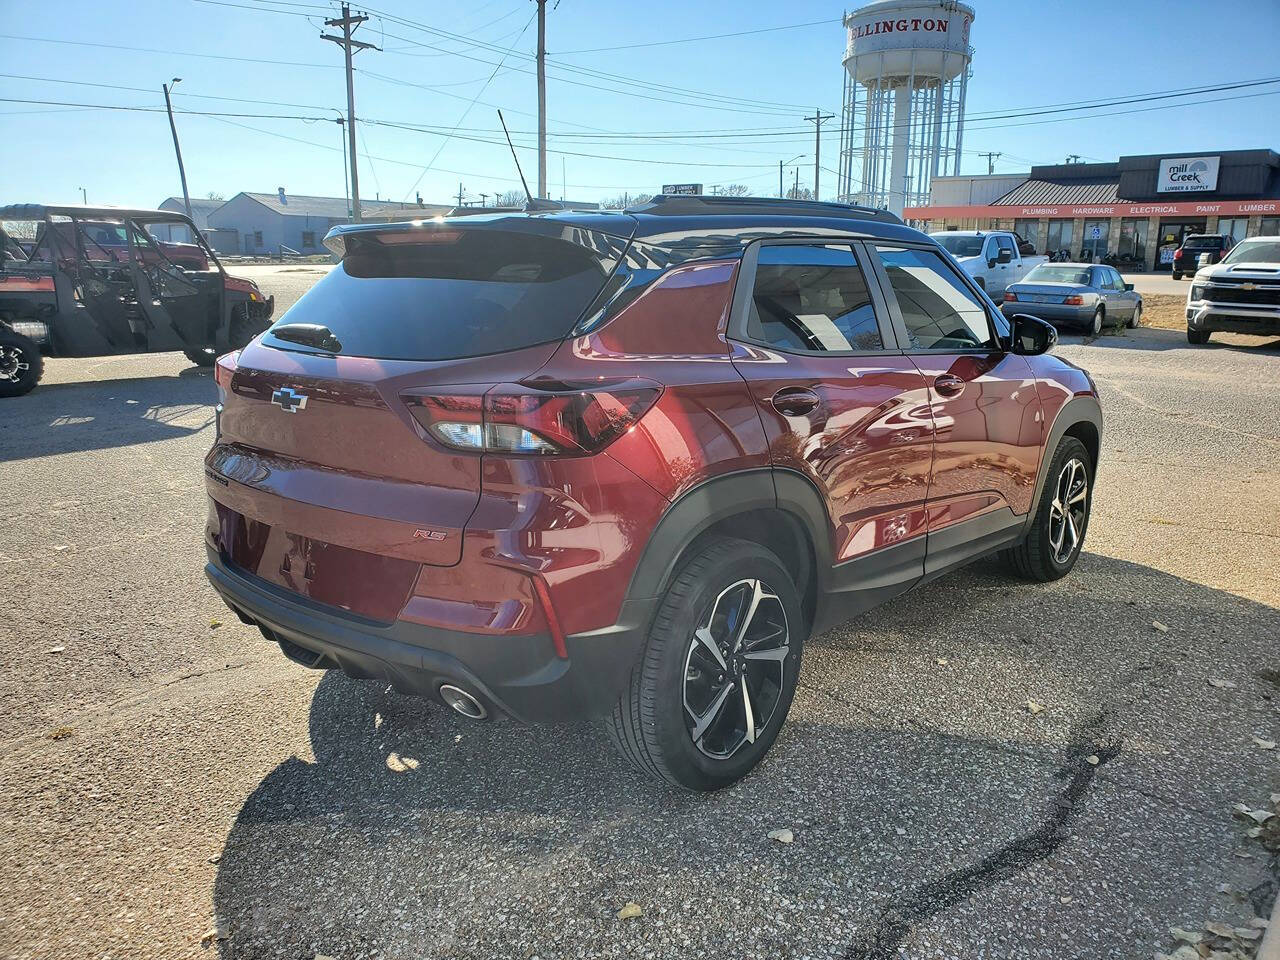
804,193
624,200
510,198
734,190
213,195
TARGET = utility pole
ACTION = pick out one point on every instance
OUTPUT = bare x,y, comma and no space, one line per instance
186,198
542,98
459,193
796,192
84,196
484,199
1074,158
348,23
991,162
780,165
818,119
346,183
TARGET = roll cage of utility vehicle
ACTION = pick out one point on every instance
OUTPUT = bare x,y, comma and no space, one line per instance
79,281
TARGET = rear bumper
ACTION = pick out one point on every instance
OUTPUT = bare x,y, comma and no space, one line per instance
1052,312
518,675
1263,320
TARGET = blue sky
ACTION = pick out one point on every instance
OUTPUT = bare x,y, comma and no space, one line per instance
1028,55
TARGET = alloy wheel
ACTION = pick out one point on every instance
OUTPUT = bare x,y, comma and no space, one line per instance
1068,510
13,363
734,668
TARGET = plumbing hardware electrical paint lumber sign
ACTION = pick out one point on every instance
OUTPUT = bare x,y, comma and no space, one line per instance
1266,208
1187,175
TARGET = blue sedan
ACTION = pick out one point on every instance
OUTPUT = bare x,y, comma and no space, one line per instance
1075,294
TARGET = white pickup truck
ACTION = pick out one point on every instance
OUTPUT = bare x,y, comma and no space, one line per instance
989,256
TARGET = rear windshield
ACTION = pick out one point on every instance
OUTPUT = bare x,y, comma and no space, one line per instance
1048,273
455,291
1202,243
960,245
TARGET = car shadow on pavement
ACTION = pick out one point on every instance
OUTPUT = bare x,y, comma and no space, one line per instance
1158,338
97,415
912,772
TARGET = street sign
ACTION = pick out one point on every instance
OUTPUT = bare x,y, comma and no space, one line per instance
1095,232
683,189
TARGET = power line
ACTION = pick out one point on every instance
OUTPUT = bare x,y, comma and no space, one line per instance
575,69
177,53
712,36
709,101
400,163
470,105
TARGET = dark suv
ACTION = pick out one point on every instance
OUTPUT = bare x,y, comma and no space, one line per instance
1186,259
556,465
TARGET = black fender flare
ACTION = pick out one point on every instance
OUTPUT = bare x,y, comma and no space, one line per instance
719,498
1083,408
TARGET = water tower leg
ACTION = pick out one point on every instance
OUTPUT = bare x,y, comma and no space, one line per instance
901,134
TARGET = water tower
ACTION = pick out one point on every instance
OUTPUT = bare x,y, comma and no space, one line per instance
906,73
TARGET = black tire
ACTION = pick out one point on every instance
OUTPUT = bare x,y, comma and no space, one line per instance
21,365
1177,275
650,724
1038,557
1197,337
1135,318
1094,329
243,327
202,357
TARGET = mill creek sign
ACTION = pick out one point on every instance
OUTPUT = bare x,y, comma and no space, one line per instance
1187,175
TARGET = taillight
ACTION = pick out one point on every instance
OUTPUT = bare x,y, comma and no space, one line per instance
518,419
1010,297
1177,254
1074,300
223,369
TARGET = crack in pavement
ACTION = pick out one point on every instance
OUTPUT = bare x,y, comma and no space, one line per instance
900,916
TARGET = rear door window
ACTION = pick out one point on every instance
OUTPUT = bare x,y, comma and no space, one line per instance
812,298
457,290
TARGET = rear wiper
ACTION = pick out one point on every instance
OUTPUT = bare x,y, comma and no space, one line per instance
312,334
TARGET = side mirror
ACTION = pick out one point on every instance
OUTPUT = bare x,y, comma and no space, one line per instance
1031,335
1004,256
1128,286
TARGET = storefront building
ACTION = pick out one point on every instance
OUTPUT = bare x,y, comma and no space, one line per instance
1132,213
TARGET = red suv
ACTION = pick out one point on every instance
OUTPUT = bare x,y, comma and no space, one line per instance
564,464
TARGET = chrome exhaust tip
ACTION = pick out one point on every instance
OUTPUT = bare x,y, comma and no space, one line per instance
462,702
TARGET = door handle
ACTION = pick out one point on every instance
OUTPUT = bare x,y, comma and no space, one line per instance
794,401
948,385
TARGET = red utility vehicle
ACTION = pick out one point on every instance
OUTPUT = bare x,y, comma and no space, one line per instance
555,465
90,281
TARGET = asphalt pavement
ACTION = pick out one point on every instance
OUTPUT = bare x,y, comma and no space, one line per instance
171,786
1158,283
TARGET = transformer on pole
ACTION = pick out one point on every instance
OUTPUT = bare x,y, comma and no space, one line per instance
907,65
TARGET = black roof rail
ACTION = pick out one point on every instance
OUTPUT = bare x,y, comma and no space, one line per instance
679,205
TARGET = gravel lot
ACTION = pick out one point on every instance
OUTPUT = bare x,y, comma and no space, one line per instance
161,777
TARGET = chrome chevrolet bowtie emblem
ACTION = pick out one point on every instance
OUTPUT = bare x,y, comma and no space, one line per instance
1248,286
288,400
